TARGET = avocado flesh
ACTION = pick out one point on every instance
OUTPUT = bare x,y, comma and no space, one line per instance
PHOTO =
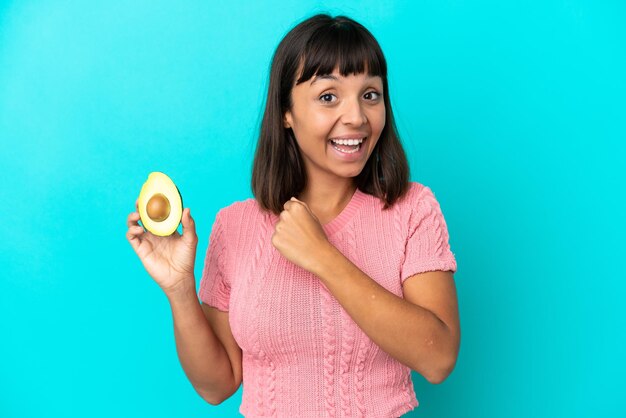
160,183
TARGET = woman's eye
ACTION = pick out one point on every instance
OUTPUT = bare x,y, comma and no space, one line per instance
326,97
376,95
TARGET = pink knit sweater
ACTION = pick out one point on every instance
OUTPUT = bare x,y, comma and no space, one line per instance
303,356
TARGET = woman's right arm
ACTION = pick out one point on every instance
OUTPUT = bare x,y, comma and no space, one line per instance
206,349
204,358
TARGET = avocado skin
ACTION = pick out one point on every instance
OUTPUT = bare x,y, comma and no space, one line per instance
182,204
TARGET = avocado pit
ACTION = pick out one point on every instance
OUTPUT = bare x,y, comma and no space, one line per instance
158,207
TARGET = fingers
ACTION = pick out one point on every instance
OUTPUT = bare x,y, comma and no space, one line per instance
189,227
135,231
293,201
132,219
289,203
133,235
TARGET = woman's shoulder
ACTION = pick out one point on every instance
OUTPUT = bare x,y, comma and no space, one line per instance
239,210
242,221
421,198
415,191
416,187
417,195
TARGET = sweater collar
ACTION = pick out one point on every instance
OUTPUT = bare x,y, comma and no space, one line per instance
357,199
346,214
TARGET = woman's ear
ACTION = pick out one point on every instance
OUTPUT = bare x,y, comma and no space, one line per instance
287,120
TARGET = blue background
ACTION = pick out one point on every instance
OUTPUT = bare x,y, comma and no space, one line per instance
512,112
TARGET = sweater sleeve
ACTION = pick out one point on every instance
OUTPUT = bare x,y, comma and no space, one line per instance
215,282
427,247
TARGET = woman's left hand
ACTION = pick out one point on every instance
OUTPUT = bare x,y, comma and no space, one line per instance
299,236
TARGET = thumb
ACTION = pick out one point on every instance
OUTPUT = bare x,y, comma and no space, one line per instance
293,198
189,226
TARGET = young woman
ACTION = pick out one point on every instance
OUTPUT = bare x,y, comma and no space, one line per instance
323,292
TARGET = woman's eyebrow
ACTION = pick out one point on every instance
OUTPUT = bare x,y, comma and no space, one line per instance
324,77
332,77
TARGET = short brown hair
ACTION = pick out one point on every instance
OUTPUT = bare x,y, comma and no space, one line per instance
319,45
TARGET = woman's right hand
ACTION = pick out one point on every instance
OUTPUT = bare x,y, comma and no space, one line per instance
169,260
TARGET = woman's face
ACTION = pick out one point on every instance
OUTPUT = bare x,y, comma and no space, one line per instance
336,107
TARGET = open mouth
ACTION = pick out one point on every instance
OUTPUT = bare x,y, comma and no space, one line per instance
347,146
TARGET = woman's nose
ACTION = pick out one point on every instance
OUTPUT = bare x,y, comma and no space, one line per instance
353,113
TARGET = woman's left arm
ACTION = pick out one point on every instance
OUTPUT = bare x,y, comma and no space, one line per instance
421,331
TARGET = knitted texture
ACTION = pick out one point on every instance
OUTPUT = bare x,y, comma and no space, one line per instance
303,355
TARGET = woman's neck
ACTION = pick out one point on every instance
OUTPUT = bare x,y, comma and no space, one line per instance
327,200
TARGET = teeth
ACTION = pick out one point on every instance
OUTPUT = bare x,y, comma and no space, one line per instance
347,152
348,141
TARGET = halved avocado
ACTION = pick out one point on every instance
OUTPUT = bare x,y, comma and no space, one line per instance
160,205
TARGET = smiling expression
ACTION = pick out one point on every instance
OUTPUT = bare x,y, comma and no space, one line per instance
333,106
